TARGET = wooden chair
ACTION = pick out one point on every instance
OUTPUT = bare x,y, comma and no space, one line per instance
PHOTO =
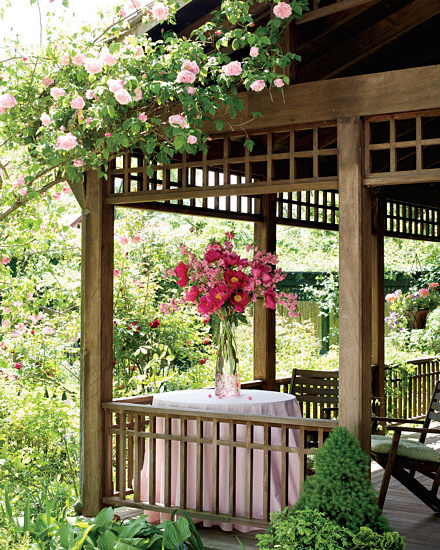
402,467
317,392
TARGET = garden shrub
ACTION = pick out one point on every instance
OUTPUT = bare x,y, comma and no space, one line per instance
341,487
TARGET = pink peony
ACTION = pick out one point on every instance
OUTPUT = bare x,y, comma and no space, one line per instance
282,10
191,66
232,69
258,85
191,140
235,279
65,60
254,51
78,163
77,103
45,119
78,59
138,94
93,66
159,11
108,59
190,90
182,274
56,93
185,77
123,97
278,82
67,142
114,85
142,117
192,294
47,81
178,120
212,255
89,94
240,300
7,101
270,299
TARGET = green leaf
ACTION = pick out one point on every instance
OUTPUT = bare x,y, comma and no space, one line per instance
79,541
106,515
219,125
107,540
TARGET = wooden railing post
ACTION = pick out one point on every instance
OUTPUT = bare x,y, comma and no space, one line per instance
96,338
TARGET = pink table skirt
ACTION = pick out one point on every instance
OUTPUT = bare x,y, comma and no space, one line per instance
252,402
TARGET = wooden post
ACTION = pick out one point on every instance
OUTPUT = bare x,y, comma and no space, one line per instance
355,285
264,319
96,337
378,305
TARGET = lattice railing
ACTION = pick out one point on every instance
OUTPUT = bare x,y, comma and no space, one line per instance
413,221
318,209
157,460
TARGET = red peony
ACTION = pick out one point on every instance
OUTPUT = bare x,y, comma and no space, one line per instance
235,279
182,274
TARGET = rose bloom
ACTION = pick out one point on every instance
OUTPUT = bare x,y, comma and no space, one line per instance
77,103
254,51
123,97
7,101
56,93
138,94
282,10
232,69
108,59
278,82
93,66
89,94
258,85
47,81
190,90
67,142
191,66
185,77
114,85
78,59
88,120
78,163
159,11
178,120
192,139
45,119
65,60
142,117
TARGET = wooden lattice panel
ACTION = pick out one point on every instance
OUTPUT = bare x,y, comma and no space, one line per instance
404,147
412,221
305,155
318,209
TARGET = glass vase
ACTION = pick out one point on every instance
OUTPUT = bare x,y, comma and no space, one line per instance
227,376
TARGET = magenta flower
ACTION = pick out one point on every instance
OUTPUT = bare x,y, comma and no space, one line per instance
182,274
270,299
212,255
235,279
240,300
192,294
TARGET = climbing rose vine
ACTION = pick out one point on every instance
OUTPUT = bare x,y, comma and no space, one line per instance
83,98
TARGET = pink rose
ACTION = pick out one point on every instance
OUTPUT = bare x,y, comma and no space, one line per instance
258,85
67,142
123,97
254,51
47,81
178,120
88,120
159,11
190,90
232,69
192,294
108,59
45,119
278,82
89,94
115,85
142,117
270,299
282,10
23,191
78,59
191,140
77,103
185,77
65,60
191,66
138,94
7,101
56,93
93,66
78,163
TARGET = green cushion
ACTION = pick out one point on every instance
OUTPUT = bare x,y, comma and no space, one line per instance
407,448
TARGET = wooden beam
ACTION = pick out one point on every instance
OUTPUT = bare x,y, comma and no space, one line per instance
264,319
365,95
96,338
370,40
433,176
354,286
342,5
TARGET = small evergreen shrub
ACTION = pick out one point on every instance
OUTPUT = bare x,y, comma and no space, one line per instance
366,539
341,488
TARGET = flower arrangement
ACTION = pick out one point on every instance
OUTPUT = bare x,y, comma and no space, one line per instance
224,284
412,308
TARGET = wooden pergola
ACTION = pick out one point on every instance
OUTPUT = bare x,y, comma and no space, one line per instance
353,145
